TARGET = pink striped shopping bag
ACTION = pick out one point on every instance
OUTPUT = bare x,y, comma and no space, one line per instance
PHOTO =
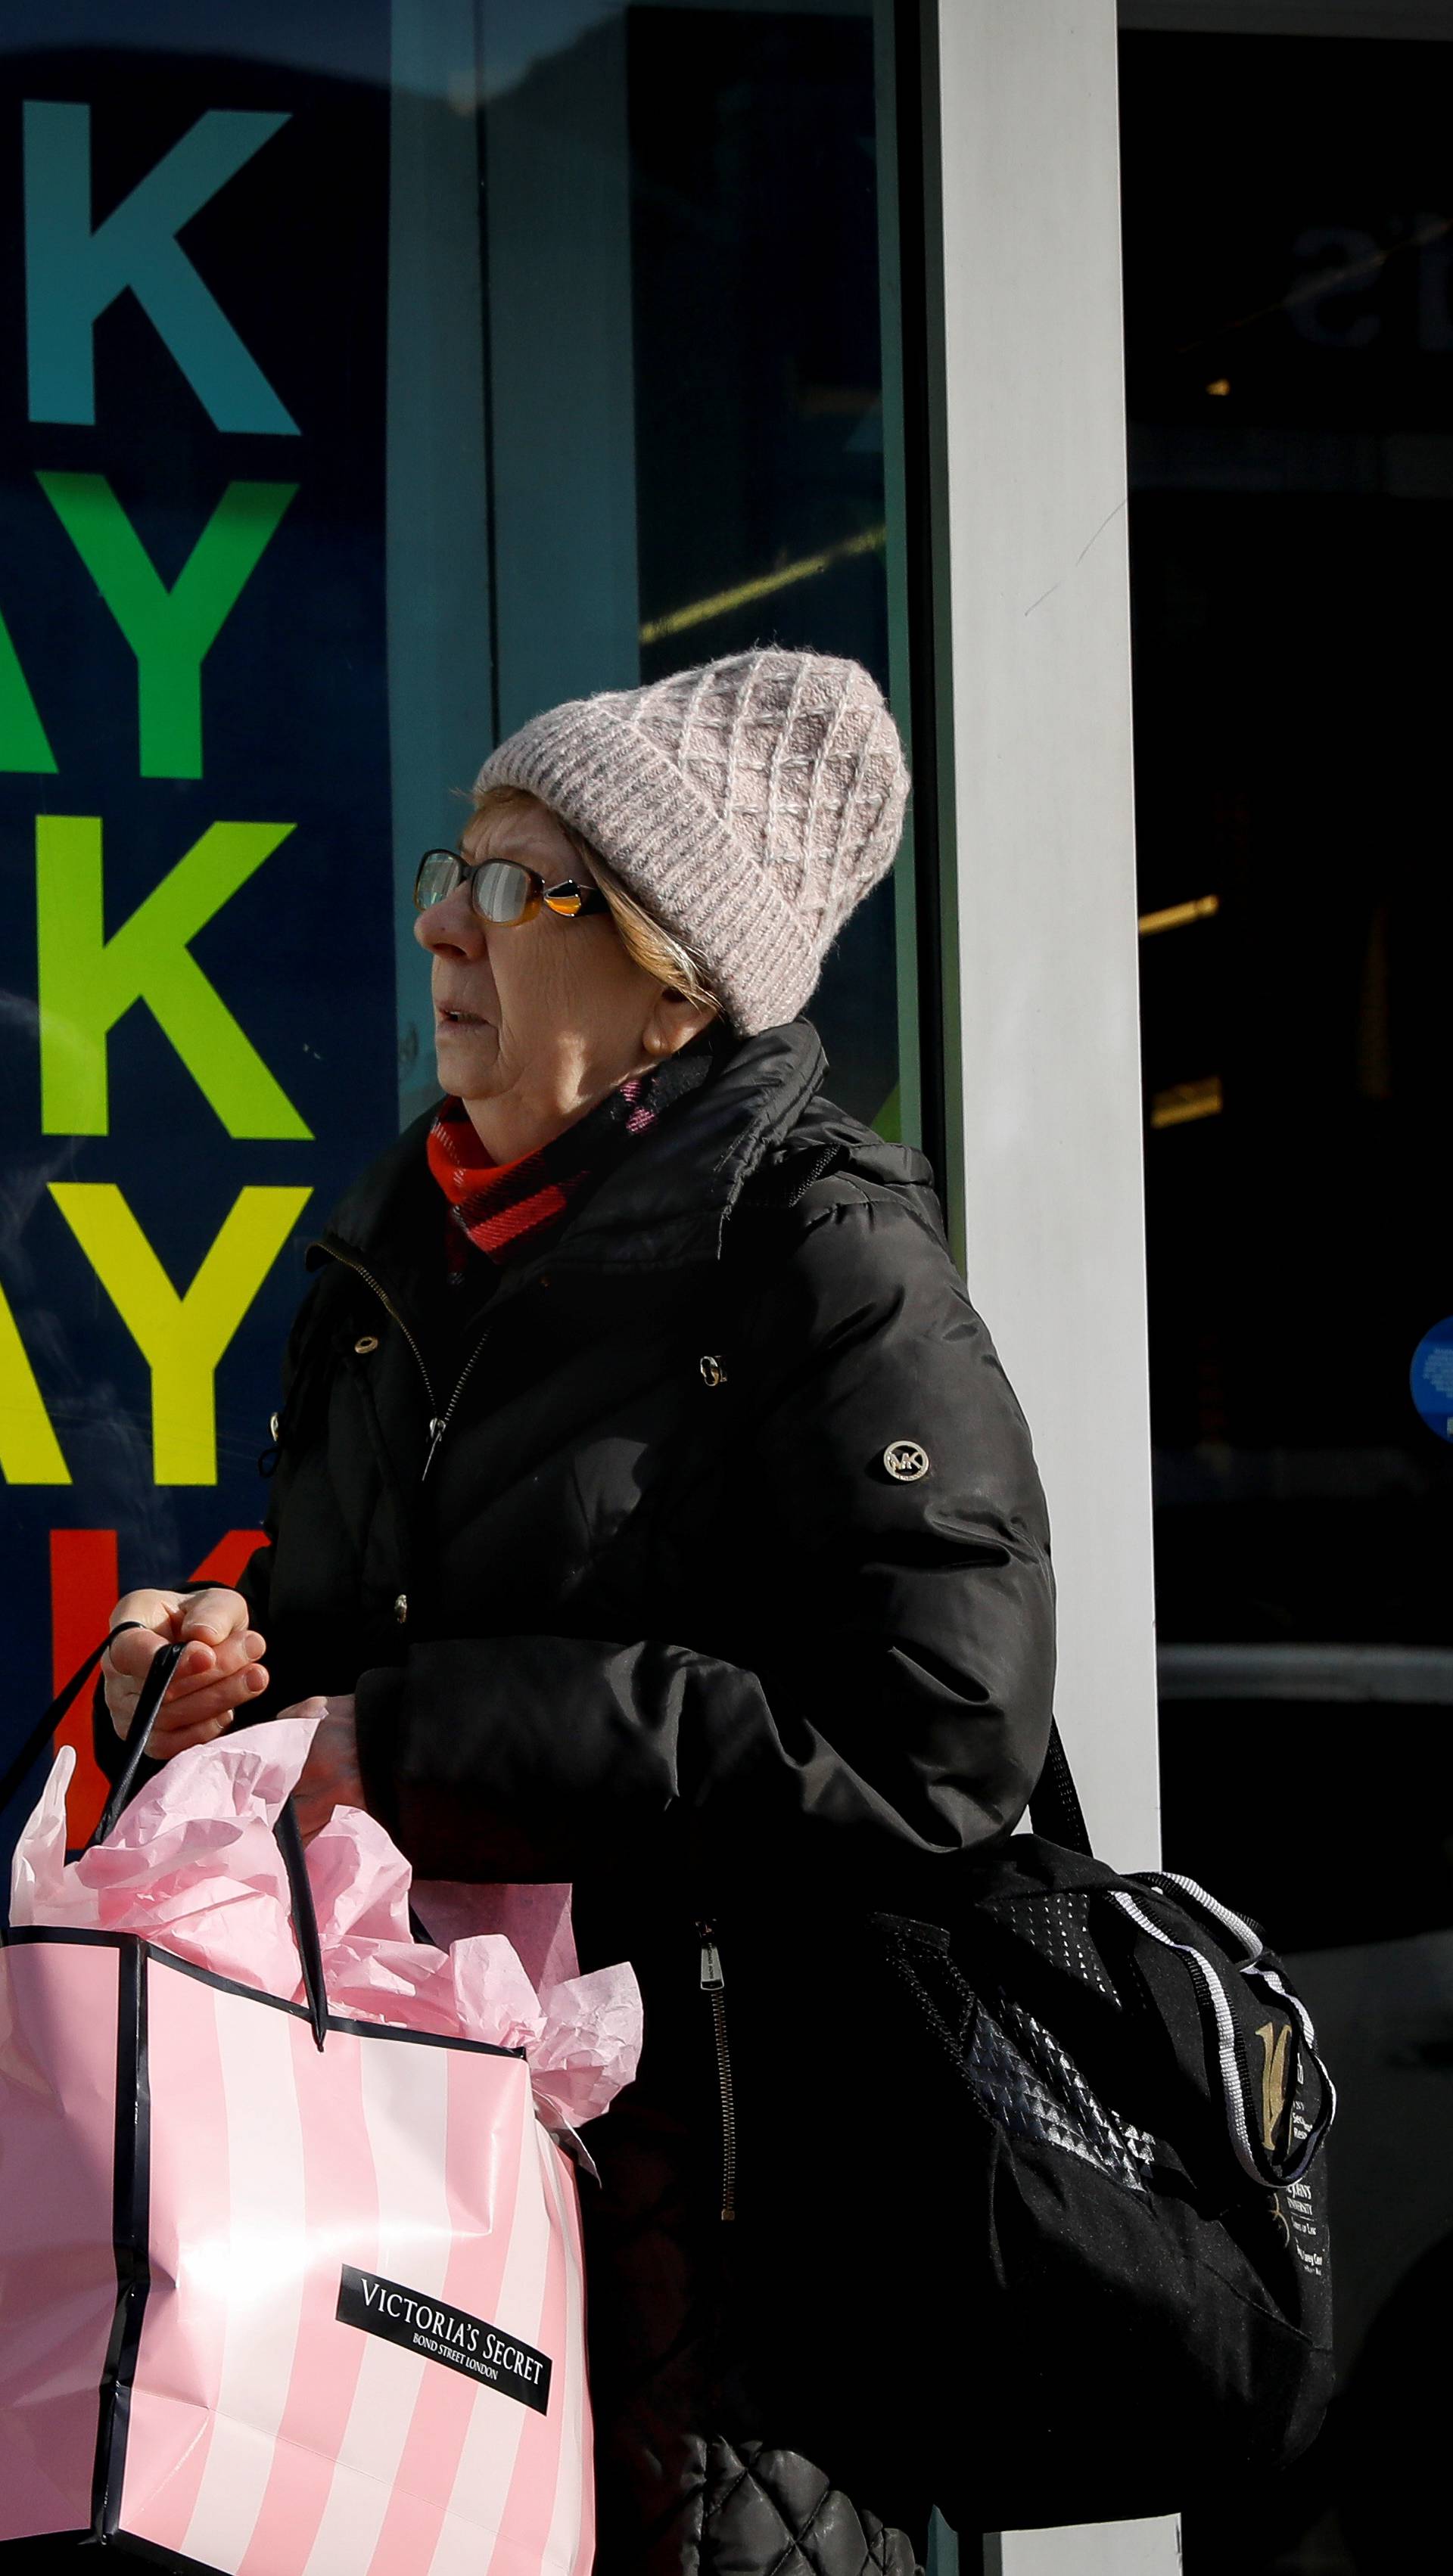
282,2293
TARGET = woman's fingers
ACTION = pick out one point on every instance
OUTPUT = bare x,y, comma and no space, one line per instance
128,1657
219,1641
196,1731
203,1665
154,1609
126,1664
194,1719
212,1703
214,1616
220,1669
216,1626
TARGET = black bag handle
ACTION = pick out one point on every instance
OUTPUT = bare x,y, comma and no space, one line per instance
305,1918
44,1727
153,1691
148,1708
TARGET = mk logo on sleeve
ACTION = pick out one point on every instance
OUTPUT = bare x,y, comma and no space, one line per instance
441,2333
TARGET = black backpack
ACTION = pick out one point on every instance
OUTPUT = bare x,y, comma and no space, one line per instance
1062,2255
1146,2111
1089,2276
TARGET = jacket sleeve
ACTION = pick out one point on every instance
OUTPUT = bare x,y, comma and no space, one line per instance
900,1679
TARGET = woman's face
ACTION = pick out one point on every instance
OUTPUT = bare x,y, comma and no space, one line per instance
534,1025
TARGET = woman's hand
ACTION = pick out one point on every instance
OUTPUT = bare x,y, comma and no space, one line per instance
220,1671
330,1775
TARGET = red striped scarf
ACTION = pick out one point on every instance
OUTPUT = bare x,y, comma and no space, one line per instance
508,1208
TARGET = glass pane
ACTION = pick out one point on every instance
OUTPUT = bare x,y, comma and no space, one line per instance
759,420
686,379
1289,285
480,356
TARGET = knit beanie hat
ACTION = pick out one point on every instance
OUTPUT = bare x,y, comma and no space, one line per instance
748,805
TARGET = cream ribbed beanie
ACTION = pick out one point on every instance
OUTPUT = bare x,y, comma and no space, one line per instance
748,805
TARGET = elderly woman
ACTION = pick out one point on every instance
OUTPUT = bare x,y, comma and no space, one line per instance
652,1513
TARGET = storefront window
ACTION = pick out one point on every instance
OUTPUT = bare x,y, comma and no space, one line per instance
379,375
1289,300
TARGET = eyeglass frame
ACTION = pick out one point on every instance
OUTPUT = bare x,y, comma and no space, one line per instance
581,900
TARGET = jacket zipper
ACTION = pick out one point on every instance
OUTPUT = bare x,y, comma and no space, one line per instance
713,1986
438,1422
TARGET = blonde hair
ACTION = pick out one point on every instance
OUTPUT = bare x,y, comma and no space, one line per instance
643,938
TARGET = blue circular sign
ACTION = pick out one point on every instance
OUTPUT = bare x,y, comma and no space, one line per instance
1431,1378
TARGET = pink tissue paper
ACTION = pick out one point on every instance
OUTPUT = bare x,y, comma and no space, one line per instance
193,1865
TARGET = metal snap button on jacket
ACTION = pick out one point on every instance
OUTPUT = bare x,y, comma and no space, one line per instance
713,1372
905,1461
365,1343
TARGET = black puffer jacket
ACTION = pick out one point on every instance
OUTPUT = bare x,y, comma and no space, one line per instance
661,1619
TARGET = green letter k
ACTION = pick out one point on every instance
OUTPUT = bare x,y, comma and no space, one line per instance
87,981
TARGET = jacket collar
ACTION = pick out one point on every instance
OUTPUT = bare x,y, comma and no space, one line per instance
664,1206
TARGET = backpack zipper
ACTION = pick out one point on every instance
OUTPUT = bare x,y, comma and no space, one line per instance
713,1986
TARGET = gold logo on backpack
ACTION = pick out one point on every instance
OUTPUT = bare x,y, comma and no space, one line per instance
1276,2052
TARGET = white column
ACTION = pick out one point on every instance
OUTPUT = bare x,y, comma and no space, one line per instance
1045,884
1150,2548
1037,719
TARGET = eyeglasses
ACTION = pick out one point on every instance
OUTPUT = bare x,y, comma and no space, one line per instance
500,890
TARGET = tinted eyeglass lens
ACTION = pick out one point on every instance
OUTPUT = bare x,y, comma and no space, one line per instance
439,874
502,891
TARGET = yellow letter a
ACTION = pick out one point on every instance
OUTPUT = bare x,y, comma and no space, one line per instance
30,1453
